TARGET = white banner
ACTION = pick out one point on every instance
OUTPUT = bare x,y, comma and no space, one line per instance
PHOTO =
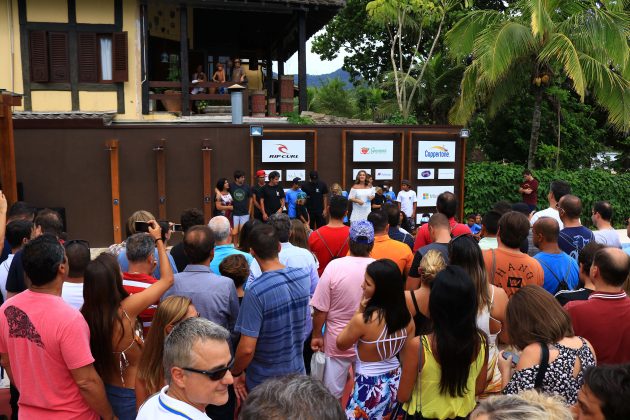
284,150
436,151
427,195
373,151
446,174
384,174
356,171
268,171
426,173
296,173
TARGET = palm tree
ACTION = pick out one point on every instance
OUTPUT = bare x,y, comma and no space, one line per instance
525,46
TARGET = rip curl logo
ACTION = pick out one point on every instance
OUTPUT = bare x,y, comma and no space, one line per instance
20,326
284,150
437,152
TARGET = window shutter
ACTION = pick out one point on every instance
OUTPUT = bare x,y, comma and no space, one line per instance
119,57
38,50
59,63
87,57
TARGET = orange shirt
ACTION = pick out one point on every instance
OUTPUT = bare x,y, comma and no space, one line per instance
513,270
399,252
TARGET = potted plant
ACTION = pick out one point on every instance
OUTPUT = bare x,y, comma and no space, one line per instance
174,75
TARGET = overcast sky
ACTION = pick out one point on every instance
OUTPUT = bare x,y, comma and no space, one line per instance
313,63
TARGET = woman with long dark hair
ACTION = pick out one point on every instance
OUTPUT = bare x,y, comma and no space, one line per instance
492,303
380,326
444,370
243,239
116,337
360,195
223,200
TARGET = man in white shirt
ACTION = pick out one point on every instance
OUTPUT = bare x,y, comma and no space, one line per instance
557,190
78,253
407,201
197,364
605,233
17,233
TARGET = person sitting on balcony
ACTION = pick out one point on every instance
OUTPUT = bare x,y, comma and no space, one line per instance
198,77
219,74
238,74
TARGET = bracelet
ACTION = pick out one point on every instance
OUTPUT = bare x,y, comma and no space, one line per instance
236,375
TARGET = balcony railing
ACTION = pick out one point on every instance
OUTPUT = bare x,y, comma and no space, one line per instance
177,96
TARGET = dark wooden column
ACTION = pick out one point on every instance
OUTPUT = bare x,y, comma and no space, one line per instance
183,58
280,74
7,148
269,78
302,60
144,51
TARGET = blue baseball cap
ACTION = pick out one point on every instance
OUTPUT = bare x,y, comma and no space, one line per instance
362,232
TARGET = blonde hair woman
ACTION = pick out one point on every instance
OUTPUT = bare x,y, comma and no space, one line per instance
150,376
418,300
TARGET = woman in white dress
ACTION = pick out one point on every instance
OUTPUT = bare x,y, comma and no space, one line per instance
360,196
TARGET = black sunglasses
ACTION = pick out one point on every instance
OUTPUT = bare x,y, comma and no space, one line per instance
214,374
76,241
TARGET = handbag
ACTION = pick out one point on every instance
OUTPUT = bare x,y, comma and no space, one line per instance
318,363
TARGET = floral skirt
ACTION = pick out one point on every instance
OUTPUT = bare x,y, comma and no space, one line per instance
374,397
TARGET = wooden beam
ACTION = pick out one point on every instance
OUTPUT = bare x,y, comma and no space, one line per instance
343,159
160,158
112,147
303,98
183,58
208,190
7,146
144,48
462,173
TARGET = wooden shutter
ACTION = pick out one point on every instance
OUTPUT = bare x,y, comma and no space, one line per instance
119,57
59,63
38,50
87,57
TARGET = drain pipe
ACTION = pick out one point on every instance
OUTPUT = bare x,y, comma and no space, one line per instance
236,98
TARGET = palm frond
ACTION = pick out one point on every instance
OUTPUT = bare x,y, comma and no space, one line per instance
460,39
562,49
466,104
541,22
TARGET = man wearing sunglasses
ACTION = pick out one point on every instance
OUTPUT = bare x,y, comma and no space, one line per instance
197,364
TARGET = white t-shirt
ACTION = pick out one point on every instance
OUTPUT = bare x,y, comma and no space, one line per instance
548,212
4,273
406,200
608,237
72,294
163,406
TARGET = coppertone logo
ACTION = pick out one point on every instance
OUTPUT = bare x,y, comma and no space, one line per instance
283,151
437,152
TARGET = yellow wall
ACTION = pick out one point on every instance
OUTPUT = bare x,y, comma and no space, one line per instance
46,10
10,57
99,11
133,90
97,101
164,21
51,100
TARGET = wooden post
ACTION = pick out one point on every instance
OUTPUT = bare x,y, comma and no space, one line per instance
302,60
183,58
144,48
462,178
112,146
161,178
7,146
208,189
343,159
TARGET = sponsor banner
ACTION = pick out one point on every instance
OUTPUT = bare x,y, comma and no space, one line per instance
420,216
284,150
446,174
373,151
426,173
268,171
384,174
296,173
427,195
356,171
436,151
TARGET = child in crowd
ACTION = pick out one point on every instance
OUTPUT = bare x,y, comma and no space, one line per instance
378,200
471,221
300,209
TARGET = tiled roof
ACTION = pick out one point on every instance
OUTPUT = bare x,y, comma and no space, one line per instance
107,117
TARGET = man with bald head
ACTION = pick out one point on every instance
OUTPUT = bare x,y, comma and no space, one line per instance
561,271
574,236
604,319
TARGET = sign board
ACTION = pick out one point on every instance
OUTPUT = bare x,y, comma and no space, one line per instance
296,173
384,174
426,173
436,151
446,173
268,171
373,151
427,195
284,150
356,171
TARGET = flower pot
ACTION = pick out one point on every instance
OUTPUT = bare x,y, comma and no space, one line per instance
174,104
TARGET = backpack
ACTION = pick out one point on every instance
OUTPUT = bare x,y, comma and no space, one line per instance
562,283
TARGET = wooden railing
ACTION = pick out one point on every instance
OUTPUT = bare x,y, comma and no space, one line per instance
177,86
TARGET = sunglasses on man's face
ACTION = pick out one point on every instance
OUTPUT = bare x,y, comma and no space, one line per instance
214,374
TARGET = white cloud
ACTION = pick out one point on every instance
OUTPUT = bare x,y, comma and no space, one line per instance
314,65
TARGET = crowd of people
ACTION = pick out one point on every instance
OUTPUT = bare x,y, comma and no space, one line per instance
314,303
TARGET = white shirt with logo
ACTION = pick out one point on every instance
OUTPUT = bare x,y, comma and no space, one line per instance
163,406
406,200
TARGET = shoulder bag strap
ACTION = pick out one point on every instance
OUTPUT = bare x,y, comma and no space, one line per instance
325,244
542,369
550,270
414,301
494,265
342,246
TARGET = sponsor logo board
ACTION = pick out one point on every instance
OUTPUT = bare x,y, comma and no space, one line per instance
268,171
427,195
446,174
436,151
426,173
284,150
384,174
296,173
373,151
356,171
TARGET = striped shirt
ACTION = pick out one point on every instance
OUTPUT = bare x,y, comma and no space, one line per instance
136,283
274,310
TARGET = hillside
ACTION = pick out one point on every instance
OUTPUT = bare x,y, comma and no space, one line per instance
315,80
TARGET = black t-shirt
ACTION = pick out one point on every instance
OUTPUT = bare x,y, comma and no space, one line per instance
256,190
415,265
15,278
272,196
378,200
301,211
240,195
179,256
315,191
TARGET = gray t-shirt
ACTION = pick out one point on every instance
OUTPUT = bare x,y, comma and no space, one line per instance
608,237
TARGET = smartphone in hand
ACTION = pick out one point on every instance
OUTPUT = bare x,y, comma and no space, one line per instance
515,357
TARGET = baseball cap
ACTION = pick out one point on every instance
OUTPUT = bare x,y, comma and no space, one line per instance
260,173
406,182
362,232
314,175
296,179
301,195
